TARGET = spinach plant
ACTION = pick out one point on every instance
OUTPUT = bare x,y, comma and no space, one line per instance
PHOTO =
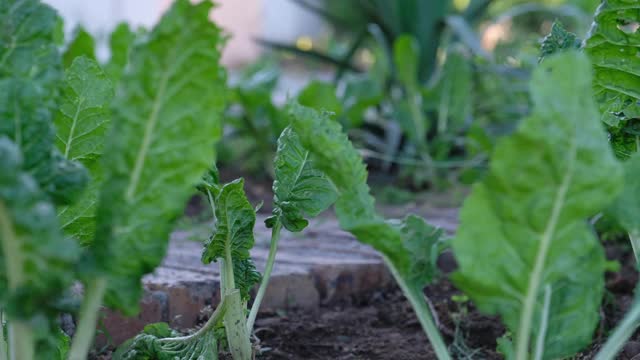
94,178
524,248
300,190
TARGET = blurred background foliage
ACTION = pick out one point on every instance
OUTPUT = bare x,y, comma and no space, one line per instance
424,88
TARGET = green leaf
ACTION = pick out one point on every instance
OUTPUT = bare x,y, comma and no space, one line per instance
524,248
235,219
83,112
361,92
453,99
405,56
299,188
121,42
166,119
612,46
81,124
30,74
81,45
626,207
320,95
234,227
333,154
37,262
558,40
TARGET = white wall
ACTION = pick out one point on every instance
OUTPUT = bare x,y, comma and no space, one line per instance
245,20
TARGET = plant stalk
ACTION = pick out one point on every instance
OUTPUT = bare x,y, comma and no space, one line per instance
420,306
89,311
214,319
634,238
21,342
273,249
621,334
3,341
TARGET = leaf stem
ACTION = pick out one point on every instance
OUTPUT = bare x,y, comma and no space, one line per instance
536,277
214,319
420,306
3,341
621,334
544,323
634,238
21,342
89,311
273,249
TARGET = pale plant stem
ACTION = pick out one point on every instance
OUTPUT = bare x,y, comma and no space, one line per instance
89,312
537,273
634,238
21,342
3,341
273,249
621,334
420,306
544,323
214,319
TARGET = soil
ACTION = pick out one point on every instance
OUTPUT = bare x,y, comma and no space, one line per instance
385,327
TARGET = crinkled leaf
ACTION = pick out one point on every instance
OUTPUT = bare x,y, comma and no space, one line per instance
210,184
81,124
333,154
558,40
121,42
613,44
83,111
30,74
246,276
154,344
299,188
166,118
234,227
523,236
82,44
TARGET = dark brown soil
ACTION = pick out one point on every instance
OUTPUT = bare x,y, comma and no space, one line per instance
384,326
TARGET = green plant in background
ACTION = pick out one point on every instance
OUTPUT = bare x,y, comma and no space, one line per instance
417,116
117,195
252,121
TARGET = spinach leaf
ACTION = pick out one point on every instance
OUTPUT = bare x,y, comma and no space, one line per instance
626,207
300,188
81,123
166,118
120,42
82,44
612,46
333,154
233,237
523,247
30,73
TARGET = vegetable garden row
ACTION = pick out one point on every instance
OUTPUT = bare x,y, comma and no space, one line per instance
99,159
